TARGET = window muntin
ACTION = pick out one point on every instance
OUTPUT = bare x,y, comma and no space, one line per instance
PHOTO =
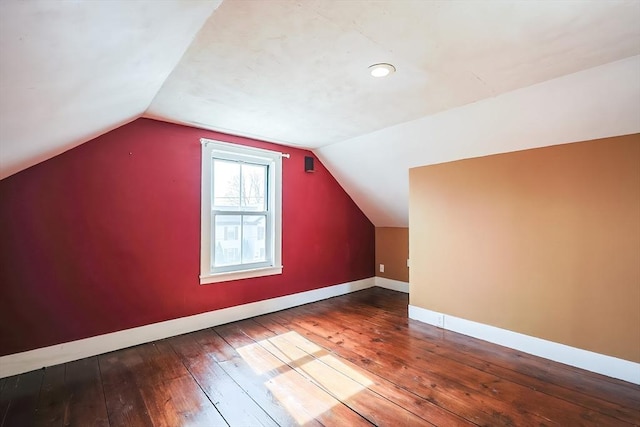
241,218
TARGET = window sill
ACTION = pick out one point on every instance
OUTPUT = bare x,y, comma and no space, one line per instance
237,275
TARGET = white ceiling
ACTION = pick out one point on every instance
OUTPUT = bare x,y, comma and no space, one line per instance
72,70
296,73
595,103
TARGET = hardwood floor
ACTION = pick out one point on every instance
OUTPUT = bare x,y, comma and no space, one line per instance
347,361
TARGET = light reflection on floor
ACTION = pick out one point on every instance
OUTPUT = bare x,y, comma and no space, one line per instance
305,378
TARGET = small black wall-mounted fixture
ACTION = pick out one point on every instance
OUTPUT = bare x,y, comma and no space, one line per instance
308,164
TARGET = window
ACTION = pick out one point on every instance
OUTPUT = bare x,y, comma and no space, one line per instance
241,217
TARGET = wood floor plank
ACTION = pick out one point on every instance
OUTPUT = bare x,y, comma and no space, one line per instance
159,389
380,385
356,360
350,387
304,401
449,397
607,398
253,384
86,402
582,381
171,394
522,405
214,345
391,344
612,397
125,404
443,392
456,353
233,403
578,381
53,399
160,364
178,402
20,399
6,394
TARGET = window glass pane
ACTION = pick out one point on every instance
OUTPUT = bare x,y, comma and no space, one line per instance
241,212
253,241
227,246
226,185
253,187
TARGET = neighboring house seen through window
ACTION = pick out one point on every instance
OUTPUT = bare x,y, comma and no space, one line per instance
241,212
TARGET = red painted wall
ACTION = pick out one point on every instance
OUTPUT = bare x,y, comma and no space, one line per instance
106,237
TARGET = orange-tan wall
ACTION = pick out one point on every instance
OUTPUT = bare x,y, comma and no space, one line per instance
544,242
392,250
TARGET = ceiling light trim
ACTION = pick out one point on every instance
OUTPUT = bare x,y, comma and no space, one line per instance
382,69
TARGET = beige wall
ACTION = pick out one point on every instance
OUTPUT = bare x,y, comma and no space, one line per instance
544,242
392,250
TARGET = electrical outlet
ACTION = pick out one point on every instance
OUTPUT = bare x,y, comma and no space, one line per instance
381,268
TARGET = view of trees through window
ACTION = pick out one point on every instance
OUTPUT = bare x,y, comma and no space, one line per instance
240,212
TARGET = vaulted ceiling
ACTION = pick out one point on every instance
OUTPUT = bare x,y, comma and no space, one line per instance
472,78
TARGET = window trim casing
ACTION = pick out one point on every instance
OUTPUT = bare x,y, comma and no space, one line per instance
209,146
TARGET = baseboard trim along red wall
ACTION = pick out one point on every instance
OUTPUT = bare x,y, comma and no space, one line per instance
18,363
106,237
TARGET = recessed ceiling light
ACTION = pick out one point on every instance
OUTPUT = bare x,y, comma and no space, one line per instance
381,70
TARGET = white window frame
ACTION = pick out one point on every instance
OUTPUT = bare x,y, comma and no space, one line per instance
210,149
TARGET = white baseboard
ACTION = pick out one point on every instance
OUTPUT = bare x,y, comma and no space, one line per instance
392,284
584,359
18,363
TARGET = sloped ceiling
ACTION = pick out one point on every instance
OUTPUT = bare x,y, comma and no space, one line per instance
72,70
596,103
296,73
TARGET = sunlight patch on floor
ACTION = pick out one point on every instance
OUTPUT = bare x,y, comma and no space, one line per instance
260,360
308,380
302,399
